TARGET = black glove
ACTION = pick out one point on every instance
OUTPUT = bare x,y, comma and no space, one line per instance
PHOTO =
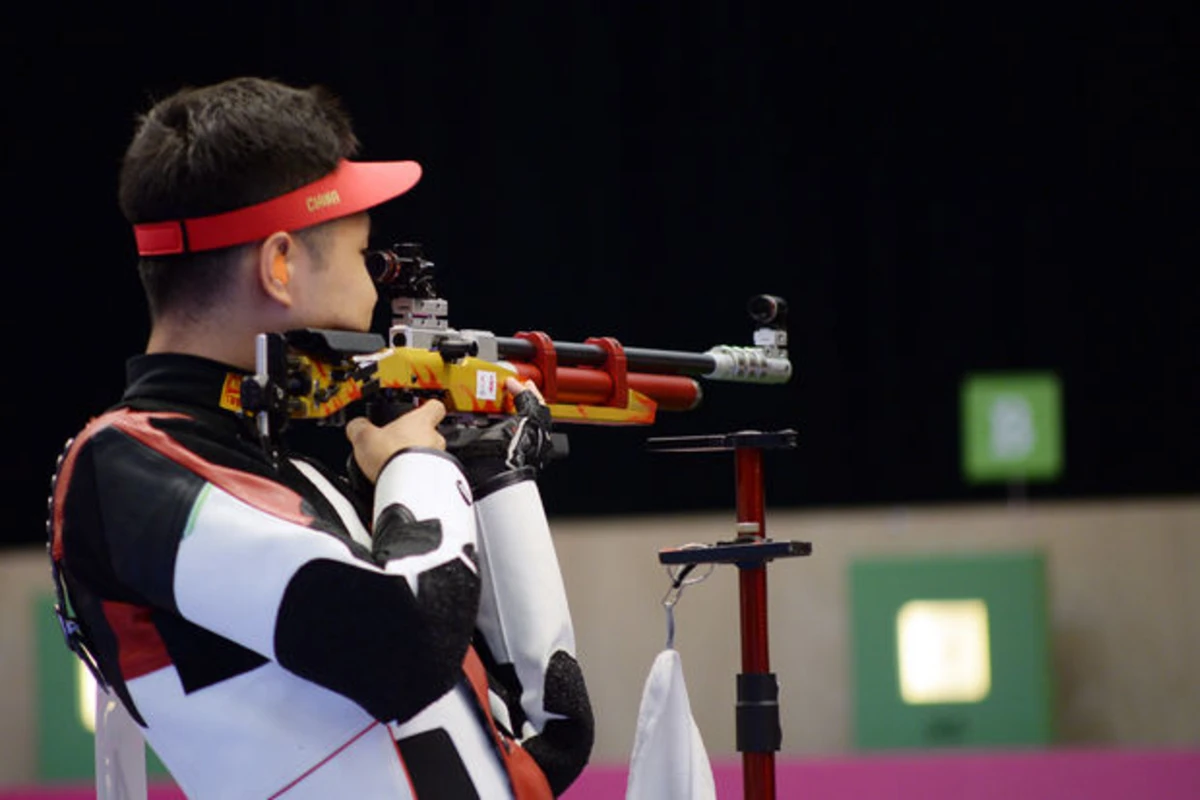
505,452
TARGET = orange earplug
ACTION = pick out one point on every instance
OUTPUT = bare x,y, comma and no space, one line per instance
279,270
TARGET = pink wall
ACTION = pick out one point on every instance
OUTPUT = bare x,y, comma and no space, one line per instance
1050,774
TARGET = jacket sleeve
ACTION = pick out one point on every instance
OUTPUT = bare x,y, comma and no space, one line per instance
526,626
239,555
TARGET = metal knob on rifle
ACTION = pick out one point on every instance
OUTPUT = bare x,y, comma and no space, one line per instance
453,349
253,394
299,379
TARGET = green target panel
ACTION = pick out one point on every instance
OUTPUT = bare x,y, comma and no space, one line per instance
1011,427
951,651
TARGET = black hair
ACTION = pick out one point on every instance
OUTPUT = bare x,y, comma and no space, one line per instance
217,148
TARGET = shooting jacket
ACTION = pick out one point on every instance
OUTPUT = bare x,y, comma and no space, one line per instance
276,634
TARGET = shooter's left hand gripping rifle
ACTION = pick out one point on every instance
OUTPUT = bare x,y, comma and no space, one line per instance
316,374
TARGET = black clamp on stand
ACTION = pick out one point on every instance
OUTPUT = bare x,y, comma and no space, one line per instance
759,734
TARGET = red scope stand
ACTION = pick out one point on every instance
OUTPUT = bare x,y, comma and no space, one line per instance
758,730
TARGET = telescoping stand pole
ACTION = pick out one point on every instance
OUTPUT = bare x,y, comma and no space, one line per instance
759,734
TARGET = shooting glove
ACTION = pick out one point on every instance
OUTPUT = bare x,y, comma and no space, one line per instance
506,452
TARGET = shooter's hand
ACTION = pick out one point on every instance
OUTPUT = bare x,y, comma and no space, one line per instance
374,445
516,388
508,451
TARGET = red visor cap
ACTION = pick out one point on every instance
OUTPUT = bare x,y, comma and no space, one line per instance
353,187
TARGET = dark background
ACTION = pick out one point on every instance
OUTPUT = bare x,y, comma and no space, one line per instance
933,191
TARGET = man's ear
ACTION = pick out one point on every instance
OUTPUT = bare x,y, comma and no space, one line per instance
275,268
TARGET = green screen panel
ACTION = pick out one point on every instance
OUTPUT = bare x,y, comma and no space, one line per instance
1011,427
951,651
65,747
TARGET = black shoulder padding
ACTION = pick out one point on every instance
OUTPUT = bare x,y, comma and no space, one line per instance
144,498
366,636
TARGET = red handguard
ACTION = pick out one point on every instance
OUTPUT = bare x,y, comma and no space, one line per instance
594,387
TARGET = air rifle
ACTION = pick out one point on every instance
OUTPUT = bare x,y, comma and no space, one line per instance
316,373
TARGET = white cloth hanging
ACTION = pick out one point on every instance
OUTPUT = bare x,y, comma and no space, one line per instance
669,760
120,751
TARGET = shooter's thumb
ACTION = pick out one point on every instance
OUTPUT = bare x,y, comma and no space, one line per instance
356,427
435,410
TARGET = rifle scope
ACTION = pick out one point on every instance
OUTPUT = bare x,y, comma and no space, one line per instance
402,271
